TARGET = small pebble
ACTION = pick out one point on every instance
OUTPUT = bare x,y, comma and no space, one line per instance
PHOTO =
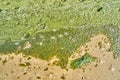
84,78
50,75
101,61
102,49
111,68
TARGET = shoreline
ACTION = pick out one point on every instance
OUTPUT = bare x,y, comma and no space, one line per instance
21,67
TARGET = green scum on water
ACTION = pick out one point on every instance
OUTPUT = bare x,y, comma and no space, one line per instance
47,28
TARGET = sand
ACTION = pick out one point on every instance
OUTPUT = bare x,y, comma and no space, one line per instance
21,67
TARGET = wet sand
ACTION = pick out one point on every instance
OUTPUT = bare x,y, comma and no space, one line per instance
21,67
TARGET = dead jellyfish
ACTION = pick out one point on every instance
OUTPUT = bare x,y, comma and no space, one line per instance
62,48
65,33
41,43
54,30
22,38
60,36
52,37
16,43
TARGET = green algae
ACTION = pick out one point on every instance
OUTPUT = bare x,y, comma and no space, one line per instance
30,16
33,22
